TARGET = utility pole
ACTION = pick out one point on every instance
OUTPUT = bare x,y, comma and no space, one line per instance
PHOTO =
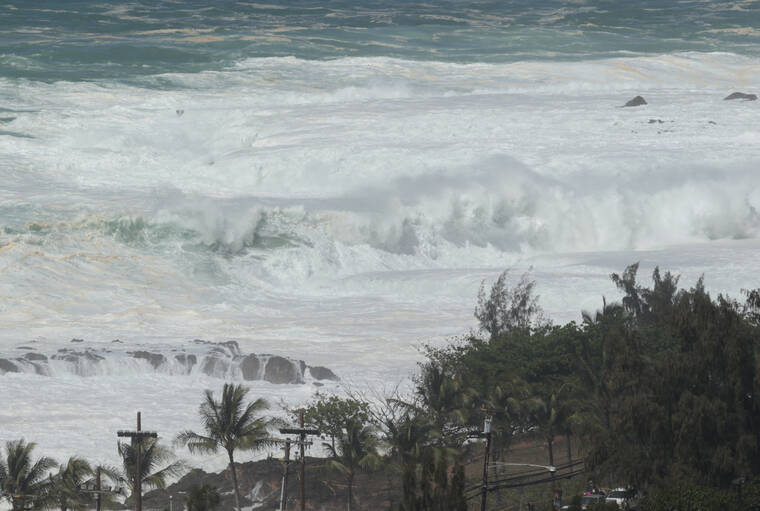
95,487
284,489
98,497
487,435
137,439
301,432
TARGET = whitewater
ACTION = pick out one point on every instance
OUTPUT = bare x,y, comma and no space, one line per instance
341,203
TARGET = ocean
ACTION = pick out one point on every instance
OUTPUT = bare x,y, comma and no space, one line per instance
332,181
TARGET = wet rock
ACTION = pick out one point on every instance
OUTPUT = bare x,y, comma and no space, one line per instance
232,347
322,373
7,366
92,357
188,361
76,356
36,356
215,366
77,340
656,121
280,370
249,367
637,101
155,359
741,95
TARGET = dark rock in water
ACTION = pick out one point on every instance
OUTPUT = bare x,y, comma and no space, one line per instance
227,347
25,348
656,121
77,340
214,366
7,366
76,356
323,373
637,101
36,356
250,367
117,340
741,95
155,359
187,360
281,370
232,346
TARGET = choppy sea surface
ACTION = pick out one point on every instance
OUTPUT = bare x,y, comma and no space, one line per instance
332,181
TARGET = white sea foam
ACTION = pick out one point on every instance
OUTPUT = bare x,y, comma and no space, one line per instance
342,211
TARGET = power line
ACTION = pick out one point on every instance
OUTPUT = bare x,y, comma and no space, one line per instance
301,432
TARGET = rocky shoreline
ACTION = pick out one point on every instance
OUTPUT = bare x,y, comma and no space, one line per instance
216,359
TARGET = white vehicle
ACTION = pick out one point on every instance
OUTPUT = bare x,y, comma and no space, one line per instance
624,498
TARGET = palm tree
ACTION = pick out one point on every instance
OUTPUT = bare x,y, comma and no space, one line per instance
67,485
549,414
229,424
152,455
23,481
356,448
106,498
445,398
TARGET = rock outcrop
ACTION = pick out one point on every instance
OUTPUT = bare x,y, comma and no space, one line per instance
6,366
281,370
155,359
741,95
637,101
219,360
250,367
322,373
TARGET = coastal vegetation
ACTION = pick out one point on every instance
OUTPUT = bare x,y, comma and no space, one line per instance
658,393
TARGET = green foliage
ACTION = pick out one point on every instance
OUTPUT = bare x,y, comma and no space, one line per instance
330,414
503,309
664,384
356,449
230,424
202,498
435,482
24,481
677,385
152,456
67,483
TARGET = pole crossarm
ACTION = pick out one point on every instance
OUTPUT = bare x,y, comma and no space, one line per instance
137,437
137,434
298,431
302,433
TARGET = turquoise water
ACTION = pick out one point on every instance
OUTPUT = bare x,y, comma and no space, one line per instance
91,40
